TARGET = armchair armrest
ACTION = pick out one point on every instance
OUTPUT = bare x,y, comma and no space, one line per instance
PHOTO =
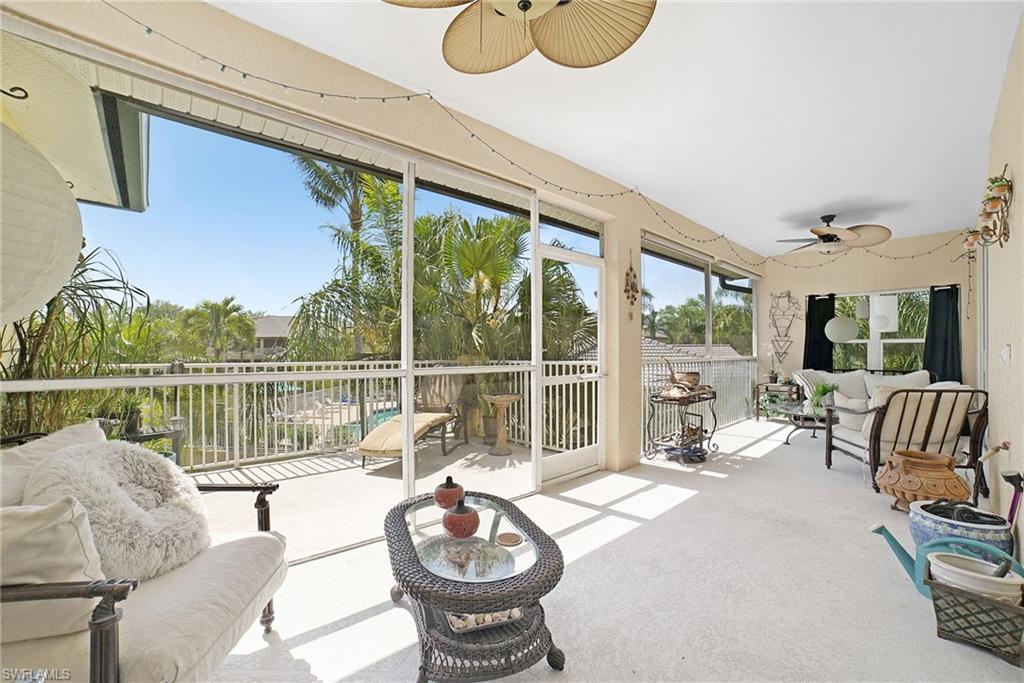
261,490
849,411
104,664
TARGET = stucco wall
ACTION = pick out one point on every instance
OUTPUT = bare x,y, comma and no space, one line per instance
859,272
1006,277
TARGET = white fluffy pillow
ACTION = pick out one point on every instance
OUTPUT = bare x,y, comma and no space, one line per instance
846,419
16,463
912,380
46,544
145,513
850,383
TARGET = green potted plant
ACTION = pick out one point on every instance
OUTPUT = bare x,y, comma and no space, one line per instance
999,185
994,202
819,394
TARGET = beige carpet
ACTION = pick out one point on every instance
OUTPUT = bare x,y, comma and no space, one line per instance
757,565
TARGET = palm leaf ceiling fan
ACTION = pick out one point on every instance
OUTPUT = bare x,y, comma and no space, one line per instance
492,34
831,240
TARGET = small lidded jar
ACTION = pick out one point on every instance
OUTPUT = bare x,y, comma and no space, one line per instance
447,494
461,521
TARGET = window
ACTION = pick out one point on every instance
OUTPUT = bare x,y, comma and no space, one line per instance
673,304
890,337
732,315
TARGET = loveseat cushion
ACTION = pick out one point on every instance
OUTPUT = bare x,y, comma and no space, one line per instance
46,544
851,384
911,380
16,463
179,626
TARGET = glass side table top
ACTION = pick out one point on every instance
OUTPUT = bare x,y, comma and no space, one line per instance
797,409
477,559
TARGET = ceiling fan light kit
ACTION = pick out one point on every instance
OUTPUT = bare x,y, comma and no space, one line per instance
490,35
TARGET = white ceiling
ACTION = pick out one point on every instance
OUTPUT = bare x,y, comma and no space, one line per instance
752,119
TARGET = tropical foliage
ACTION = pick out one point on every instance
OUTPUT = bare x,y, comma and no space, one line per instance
471,283
731,320
912,310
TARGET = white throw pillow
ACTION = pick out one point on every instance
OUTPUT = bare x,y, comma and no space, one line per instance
850,383
46,544
146,515
807,379
16,463
913,380
846,419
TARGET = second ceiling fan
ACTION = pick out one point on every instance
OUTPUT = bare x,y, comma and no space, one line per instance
831,240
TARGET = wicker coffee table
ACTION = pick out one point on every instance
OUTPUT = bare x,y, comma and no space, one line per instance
498,579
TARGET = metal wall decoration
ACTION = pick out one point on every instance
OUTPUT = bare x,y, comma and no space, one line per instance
16,92
994,219
632,289
784,310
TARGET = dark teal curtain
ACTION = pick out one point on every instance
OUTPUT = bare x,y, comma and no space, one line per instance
942,338
817,347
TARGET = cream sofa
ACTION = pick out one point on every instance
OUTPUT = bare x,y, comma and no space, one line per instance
873,414
176,627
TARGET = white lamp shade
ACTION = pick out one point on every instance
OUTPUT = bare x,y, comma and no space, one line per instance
880,323
40,229
840,330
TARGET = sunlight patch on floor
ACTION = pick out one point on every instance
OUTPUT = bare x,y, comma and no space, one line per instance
559,514
578,543
604,490
654,502
362,644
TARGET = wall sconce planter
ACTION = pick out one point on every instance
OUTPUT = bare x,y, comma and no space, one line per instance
994,219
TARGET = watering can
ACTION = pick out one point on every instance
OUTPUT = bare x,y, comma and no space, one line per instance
916,567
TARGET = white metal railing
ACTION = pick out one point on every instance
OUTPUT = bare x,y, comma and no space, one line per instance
238,413
732,378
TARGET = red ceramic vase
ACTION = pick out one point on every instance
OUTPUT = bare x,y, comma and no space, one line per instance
461,521
447,494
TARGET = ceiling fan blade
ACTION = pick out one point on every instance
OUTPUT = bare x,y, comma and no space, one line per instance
475,44
870,234
841,233
581,33
800,239
427,4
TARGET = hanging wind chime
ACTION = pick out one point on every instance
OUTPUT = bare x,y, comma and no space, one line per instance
632,289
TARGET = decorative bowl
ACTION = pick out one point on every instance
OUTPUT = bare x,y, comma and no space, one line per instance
924,527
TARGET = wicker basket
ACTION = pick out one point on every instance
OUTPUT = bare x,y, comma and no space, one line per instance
971,618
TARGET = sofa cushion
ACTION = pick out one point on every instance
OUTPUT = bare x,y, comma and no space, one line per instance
16,463
909,414
852,438
146,515
46,544
849,420
850,383
912,380
179,626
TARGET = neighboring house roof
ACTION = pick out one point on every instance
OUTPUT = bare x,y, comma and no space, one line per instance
271,326
655,350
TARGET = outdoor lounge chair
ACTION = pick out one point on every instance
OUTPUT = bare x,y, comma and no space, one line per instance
439,406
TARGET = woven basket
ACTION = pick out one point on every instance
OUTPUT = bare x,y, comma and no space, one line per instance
971,618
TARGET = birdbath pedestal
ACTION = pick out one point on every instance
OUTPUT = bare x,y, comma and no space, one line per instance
501,402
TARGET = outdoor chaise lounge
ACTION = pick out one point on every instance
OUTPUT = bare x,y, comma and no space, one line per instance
438,406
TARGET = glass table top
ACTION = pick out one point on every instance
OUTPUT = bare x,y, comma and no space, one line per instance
797,408
477,559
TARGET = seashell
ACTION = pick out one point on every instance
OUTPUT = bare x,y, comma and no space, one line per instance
488,619
479,619
516,613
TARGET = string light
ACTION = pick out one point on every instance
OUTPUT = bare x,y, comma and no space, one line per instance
473,135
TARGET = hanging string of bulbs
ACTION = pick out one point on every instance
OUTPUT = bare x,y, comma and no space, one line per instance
322,95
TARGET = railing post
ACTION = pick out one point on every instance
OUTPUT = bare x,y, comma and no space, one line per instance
235,417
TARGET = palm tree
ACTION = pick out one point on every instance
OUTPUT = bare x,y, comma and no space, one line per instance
221,325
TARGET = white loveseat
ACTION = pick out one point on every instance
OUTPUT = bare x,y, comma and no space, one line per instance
873,414
176,627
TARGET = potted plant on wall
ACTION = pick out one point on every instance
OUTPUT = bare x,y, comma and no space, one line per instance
998,185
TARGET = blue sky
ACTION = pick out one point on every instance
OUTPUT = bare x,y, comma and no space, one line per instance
230,217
